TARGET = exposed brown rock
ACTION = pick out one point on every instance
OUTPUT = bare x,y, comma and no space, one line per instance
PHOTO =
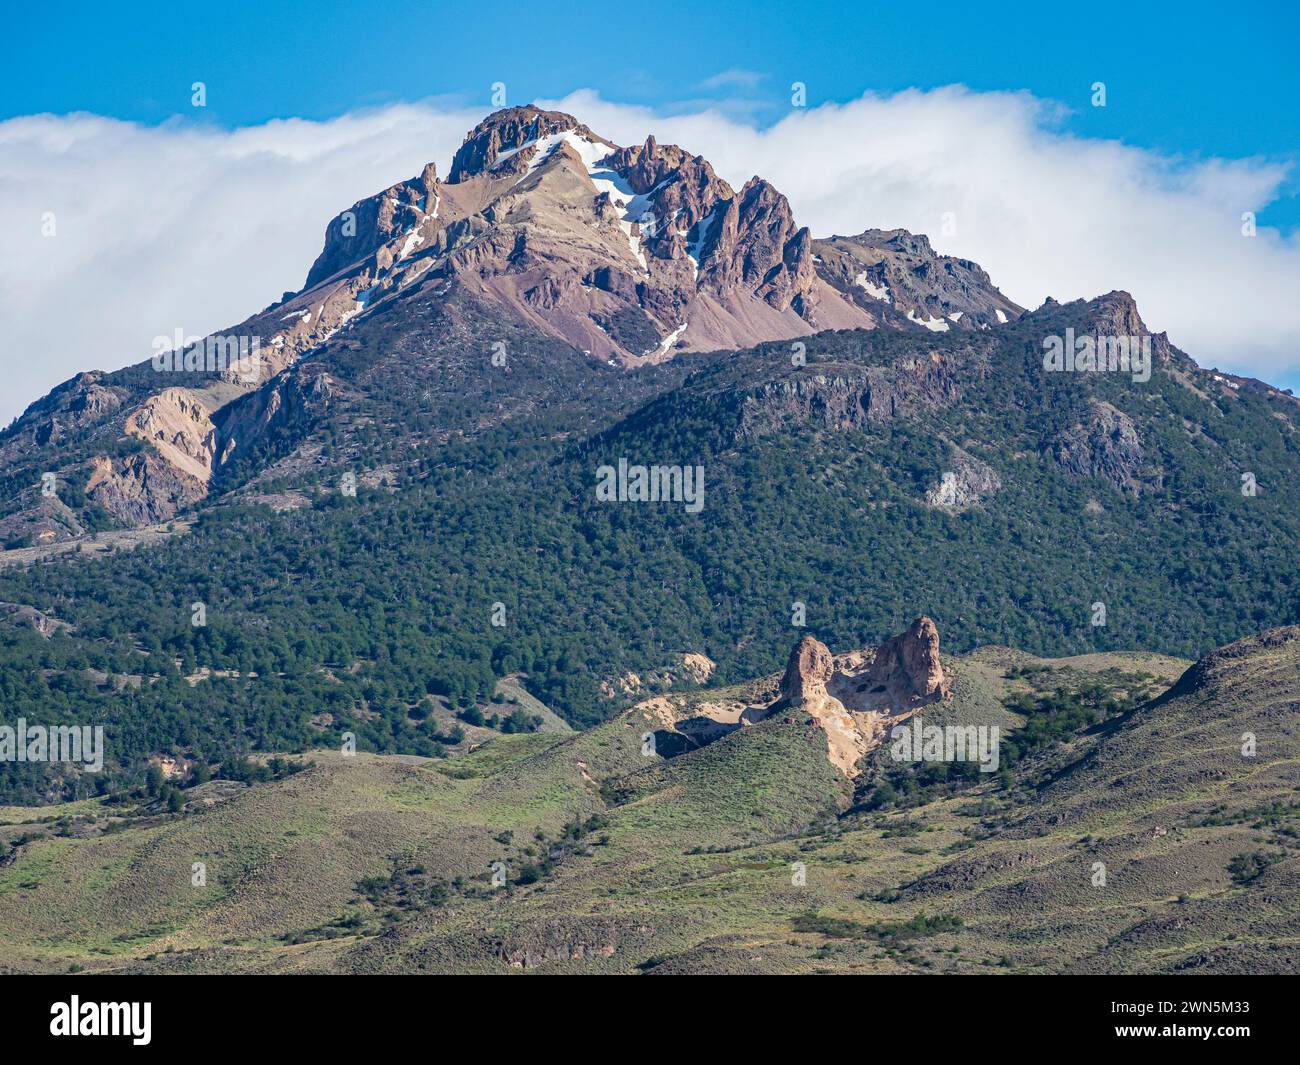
809,668
501,131
72,407
908,667
855,698
756,247
279,411
690,266
369,224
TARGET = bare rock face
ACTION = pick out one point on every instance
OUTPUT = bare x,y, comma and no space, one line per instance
371,223
966,484
176,423
278,412
1104,443
900,278
684,192
629,254
841,398
758,248
1116,314
142,489
907,666
69,409
807,672
858,697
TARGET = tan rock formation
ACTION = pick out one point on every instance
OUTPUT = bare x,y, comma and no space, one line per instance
907,666
176,423
809,668
855,698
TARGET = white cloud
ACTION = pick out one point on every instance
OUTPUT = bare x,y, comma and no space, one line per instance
1045,213
733,78
178,226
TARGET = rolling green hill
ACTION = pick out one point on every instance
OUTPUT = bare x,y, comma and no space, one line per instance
615,862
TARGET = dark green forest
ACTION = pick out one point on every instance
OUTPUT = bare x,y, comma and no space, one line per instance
361,607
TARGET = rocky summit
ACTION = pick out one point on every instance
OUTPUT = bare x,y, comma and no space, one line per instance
631,255
556,582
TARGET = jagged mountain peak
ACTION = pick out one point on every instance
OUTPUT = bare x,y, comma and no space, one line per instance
633,254
623,255
630,254
506,141
899,278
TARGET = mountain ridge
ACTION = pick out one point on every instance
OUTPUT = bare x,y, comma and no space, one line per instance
422,453
729,269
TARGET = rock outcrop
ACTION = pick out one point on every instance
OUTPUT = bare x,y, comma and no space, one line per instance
369,224
906,667
900,279
966,483
692,667
855,698
843,397
807,672
69,410
506,142
1103,442
143,488
756,248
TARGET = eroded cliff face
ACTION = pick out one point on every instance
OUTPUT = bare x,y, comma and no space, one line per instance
1101,442
142,489
273,418
188,448
841,398
854,698
176,423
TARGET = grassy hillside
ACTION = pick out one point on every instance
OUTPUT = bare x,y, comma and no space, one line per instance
616,862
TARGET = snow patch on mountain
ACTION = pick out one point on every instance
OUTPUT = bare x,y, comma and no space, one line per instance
876,291
937,325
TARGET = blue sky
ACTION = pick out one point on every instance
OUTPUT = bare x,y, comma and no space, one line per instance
1195,79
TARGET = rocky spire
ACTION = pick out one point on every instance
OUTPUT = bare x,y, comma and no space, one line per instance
806,673
908,664
369,224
